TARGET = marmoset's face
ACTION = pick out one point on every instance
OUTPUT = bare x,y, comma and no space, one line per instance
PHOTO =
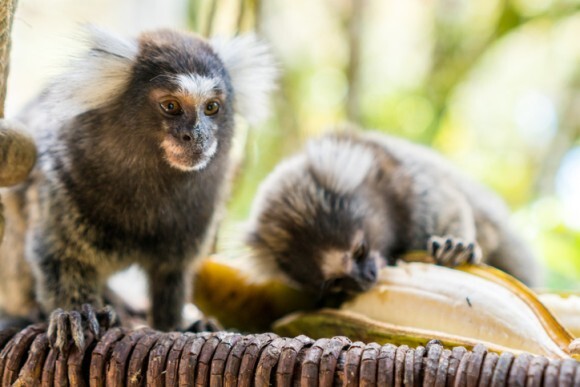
190,119
326,248
346,266
186,96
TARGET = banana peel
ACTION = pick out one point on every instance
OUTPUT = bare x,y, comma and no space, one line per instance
566,308
238,300
559,333
475,304
357,327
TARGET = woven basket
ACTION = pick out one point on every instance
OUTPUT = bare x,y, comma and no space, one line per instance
147,357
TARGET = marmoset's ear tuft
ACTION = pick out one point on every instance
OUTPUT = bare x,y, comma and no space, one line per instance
253,73
98,74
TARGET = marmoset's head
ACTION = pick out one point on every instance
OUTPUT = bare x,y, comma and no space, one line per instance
173,91
314,217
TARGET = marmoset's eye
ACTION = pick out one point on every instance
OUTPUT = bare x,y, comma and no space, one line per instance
171,107
211,108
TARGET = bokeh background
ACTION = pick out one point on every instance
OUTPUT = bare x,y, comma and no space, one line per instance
492,84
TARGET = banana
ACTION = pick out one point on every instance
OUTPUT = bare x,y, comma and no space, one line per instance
566,308
476,302
231,291
413,303
357,327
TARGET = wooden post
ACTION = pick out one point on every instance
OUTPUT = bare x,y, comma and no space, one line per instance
7,8
17,150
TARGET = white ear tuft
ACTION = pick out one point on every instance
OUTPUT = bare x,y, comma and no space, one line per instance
253,73
108,43
99,74
339,164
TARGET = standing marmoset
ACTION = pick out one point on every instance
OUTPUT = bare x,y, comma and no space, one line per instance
330,217
133,152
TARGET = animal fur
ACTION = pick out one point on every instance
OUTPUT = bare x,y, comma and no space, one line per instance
385,197
119,181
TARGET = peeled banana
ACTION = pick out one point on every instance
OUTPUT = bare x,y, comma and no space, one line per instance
357,327
475,302
566,308
412,303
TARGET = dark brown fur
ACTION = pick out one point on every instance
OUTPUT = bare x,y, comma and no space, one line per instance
104,195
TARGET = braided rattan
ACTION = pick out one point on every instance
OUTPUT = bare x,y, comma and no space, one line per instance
146,357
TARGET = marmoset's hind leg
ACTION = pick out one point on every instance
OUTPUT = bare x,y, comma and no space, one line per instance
514,256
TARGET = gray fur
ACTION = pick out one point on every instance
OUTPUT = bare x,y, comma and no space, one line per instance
104,193
316,203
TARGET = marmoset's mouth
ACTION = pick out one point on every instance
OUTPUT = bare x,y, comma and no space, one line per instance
187,157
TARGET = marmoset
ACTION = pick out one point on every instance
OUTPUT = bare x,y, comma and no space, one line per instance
133,152
329,218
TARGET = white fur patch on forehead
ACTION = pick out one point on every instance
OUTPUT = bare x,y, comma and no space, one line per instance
253,73
339,164
97,76
197,86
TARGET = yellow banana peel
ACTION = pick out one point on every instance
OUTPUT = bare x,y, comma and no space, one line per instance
559,333
476,302
357,327
566,308
413,303
238,300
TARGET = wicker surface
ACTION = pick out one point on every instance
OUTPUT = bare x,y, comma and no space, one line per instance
147,357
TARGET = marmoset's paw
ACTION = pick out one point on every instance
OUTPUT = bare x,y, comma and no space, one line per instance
450,251
64,326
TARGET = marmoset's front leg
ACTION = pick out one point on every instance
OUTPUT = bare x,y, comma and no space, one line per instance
69,290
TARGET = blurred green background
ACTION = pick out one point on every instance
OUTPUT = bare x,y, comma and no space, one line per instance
492,84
